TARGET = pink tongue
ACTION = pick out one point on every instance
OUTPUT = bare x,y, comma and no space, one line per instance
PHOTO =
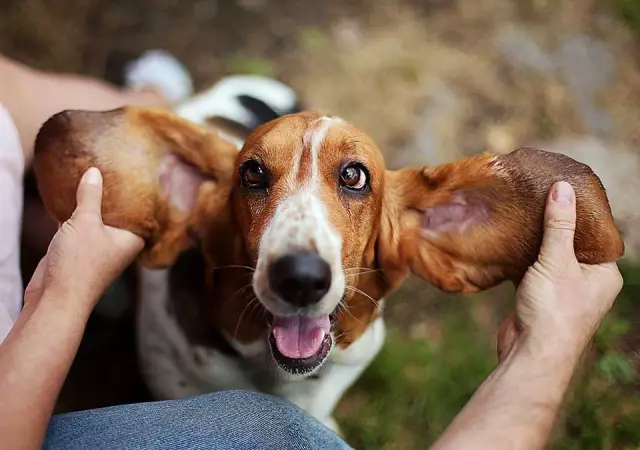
300,337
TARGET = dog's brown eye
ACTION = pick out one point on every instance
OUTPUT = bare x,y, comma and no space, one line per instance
354,177
253,175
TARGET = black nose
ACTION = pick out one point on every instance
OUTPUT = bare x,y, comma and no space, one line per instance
301,279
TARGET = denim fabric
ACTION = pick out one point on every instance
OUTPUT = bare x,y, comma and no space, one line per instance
232,420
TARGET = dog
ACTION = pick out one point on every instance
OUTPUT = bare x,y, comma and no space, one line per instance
267,268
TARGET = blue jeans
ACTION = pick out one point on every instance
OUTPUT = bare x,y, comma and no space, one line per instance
235,420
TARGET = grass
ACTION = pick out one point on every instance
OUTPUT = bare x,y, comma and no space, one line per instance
415,387
245,65
629,13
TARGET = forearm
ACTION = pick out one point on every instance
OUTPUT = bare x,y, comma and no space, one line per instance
34,362
32,96
517,405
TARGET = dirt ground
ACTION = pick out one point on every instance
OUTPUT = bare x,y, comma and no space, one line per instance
391,67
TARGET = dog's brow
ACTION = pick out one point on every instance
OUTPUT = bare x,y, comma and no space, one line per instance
316,145
312,140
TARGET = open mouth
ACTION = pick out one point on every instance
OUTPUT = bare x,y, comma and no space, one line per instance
300,344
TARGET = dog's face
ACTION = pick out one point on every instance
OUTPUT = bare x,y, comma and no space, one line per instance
309,204
308,195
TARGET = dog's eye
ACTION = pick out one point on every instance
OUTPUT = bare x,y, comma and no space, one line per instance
354,177
253,175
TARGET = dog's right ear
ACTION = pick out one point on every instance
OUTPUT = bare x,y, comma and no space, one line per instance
470,224
161,173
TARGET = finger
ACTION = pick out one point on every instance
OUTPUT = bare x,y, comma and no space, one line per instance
89,193
559,224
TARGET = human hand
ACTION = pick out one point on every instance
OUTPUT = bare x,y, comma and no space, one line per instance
559,302
85,256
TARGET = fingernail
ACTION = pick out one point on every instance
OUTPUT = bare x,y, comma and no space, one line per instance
93,176
563,193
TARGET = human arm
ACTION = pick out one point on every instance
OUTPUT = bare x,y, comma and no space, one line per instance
33,96
560,304
84,257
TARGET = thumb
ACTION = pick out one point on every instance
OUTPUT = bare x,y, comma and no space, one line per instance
89,193
559,224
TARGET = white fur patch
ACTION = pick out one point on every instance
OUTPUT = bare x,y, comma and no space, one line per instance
159,69
222,99
317,139
312,140
300,223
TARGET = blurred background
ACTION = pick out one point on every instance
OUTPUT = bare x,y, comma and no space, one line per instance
430,81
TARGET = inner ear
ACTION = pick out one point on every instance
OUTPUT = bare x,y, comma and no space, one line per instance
464,209
470,224
180,182
159,172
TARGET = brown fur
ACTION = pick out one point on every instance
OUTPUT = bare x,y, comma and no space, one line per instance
127,145
394,230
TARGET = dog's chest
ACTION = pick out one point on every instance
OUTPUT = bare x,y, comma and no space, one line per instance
172,364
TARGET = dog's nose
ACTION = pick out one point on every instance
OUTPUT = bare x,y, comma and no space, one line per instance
301,279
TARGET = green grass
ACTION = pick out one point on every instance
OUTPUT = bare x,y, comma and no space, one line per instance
415,387
629,12
245,65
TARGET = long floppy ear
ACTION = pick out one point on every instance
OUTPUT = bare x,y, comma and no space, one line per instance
161,173
470,224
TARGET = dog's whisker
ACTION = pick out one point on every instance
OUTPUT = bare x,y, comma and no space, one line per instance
339,335
241,290
362,269
361,292
245,275
233,266
356,271
254,308
235,333
343,307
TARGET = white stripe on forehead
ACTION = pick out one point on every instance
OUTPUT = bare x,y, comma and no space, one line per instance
312,139
316,144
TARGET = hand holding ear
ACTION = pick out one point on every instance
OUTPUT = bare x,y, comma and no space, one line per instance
559,302
85,256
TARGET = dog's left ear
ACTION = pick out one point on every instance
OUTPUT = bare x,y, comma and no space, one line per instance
470,224
164,176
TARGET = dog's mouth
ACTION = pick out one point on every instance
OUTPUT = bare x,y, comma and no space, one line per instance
301,344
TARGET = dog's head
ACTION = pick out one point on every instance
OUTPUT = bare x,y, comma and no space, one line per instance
308,195
309,204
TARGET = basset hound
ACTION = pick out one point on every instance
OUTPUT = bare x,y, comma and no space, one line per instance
267,268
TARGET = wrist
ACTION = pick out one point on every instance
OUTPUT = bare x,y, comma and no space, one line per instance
551,350
72,302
